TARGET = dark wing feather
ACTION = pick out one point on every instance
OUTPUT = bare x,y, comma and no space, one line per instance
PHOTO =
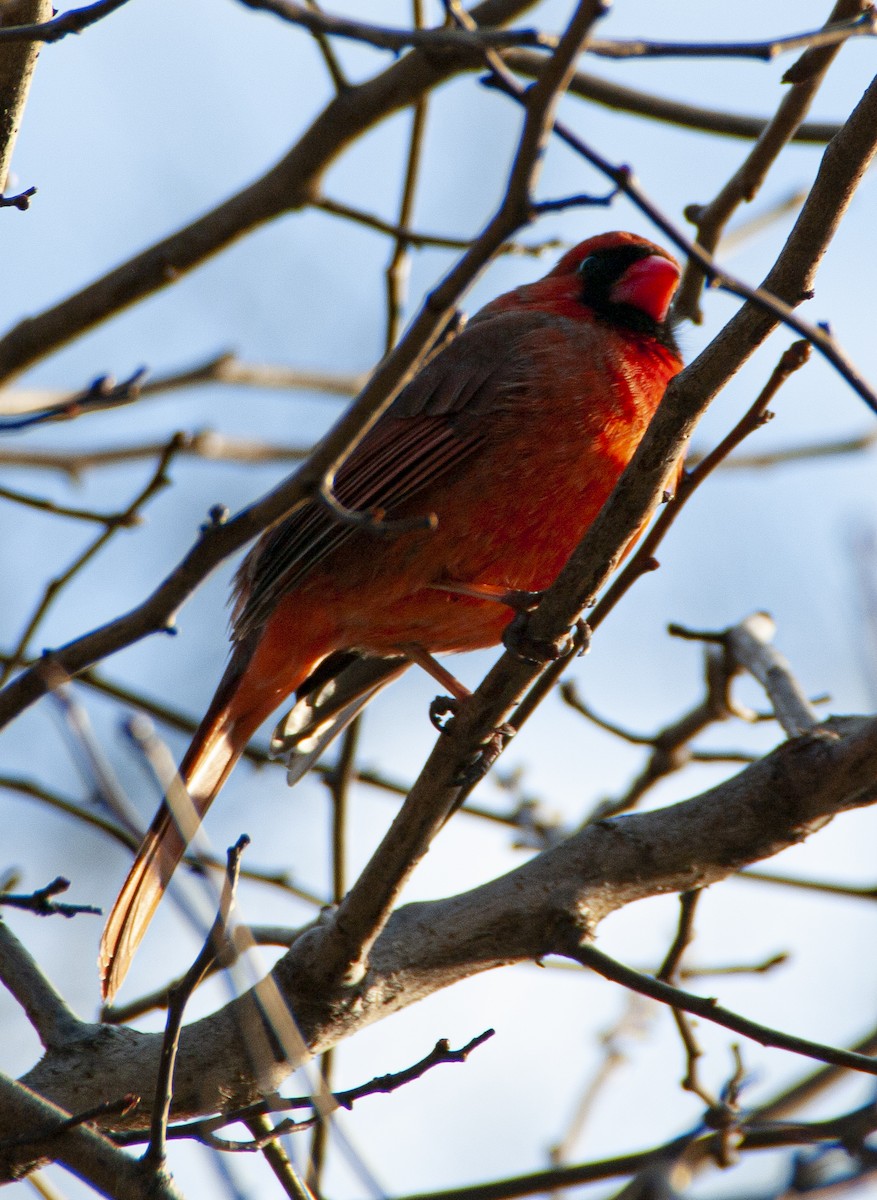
430,429
339,690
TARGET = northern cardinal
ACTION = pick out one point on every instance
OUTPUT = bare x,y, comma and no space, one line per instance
513,435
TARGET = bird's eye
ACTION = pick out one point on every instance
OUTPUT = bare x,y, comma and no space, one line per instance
587,265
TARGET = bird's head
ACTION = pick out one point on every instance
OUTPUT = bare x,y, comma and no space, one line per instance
619,278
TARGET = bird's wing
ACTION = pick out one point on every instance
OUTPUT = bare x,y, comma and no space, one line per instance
342,687
430,429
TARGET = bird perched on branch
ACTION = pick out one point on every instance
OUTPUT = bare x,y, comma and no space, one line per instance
513,436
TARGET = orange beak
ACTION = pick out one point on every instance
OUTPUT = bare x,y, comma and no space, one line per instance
648,285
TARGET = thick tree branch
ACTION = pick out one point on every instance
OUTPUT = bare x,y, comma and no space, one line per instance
17,62
80,1148
55,1023
521,916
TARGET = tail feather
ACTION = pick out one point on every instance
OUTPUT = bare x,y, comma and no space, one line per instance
261,673
215,748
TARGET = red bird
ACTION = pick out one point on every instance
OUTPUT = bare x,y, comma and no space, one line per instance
513,435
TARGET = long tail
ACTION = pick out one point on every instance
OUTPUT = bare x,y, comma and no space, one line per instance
236,712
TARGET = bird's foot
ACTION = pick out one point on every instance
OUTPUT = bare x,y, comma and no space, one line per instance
517,639
490,751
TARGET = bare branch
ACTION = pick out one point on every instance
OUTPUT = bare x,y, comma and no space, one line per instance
522,916
62,510
709,1010
206,444
72,21
383,38
42,903
670,747
55,1023
156,1152
224,368
794,454
832,34
659,108
104,393
711,219
749,642
55,672
81,1148
333,66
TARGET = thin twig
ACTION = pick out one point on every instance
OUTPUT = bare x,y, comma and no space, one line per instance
42,904
109,1108
749,642
154,485
156,1152
333,66
844,890
831,34
101,395
670,972
21,200
398,268
399,230
670,747
794,454
382,1085
711,219
277,1159
710,1010
81,1149
620,98
384,38
205,444
62,510
224,368
72,21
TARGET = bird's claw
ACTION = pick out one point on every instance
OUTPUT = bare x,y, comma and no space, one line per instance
524,646
517,639
580,637
490,751
442,711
